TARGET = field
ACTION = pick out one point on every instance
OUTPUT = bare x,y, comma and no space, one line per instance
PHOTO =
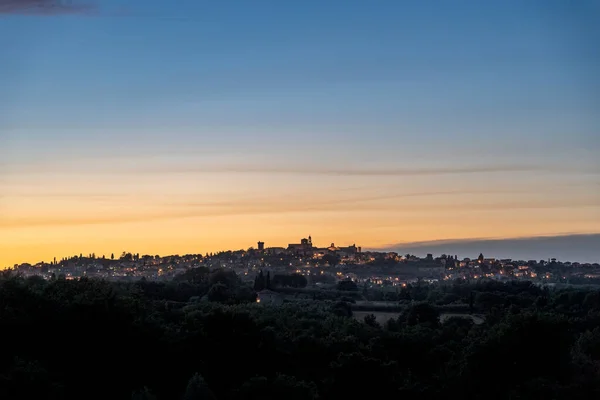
383,317
476,318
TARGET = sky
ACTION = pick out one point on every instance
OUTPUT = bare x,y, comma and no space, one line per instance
197,126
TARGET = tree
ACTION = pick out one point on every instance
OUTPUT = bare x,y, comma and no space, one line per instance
471,301
404,294
197,389
194,275
27,380
268,283
219,292
422,314
350,368
259,281
521,343
371,320
293,280
347,285
487,300
112,256
282,387
245,294
227,278
143,394
298,280
342,309
591,300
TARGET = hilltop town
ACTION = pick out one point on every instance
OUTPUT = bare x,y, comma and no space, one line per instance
302,322
320,266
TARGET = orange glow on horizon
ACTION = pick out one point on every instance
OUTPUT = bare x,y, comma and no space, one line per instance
58,217
369,229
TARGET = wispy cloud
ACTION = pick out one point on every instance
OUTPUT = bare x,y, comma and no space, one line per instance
228,209
170,214
90,196
44,7
303,200
211,165
340,171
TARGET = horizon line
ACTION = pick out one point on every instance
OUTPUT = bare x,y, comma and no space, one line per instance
424,243
385,247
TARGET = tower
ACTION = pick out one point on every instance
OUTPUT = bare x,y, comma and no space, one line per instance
261,246
309,240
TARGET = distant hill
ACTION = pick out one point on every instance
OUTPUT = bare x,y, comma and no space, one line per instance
580,248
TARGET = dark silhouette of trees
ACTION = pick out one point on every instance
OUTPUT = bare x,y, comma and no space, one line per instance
348,285
219,292
471,302
194,275
281,387
145,340
226,277
260,282
422,314
294,280
371,320
197,389
143,394
268,281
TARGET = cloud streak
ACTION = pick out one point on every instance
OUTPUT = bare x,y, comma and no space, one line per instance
301,201
129,167
212,210
43,7
349,171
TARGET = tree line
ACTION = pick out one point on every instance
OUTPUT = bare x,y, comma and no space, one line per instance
203,336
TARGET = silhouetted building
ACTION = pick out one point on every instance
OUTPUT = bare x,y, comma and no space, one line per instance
347,251
261,246
305,247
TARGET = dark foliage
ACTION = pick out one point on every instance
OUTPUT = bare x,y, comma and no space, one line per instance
292,280
98,340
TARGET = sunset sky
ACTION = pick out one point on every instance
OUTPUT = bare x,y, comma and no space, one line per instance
129,125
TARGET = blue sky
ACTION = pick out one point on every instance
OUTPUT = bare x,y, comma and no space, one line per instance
449,71
331,84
